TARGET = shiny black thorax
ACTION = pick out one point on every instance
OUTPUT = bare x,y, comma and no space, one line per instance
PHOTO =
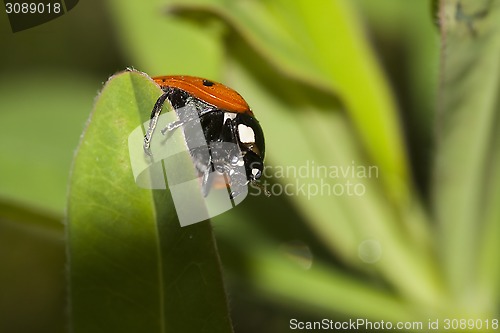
219,126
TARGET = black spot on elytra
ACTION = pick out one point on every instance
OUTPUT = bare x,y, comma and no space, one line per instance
207,83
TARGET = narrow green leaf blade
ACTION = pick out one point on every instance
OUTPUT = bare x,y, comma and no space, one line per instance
336,218
489,265
467,106
132,267
322,45
275,269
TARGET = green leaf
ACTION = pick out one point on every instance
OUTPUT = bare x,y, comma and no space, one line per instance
41,133
132,267
489,265
294,55
162,45
32,261
323,46
275,269
301,121
468,107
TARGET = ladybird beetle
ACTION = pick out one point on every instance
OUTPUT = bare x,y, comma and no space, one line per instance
225,117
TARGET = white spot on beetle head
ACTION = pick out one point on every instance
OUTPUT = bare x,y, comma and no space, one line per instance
255,172
246,134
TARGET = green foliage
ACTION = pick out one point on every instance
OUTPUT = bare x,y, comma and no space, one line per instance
420,242
466,169
42,132
131,267
32,279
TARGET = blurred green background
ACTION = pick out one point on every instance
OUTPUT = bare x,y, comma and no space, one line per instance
334,83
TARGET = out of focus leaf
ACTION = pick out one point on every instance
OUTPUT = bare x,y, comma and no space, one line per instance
468,107
132,267
341,221
162,45
32,262
275,270
40,122
321,44
489,265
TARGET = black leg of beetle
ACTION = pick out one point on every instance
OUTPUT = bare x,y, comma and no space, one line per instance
203,163
232,193
207,181
237,181
155,114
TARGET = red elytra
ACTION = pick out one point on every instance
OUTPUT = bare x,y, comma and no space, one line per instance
214,93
